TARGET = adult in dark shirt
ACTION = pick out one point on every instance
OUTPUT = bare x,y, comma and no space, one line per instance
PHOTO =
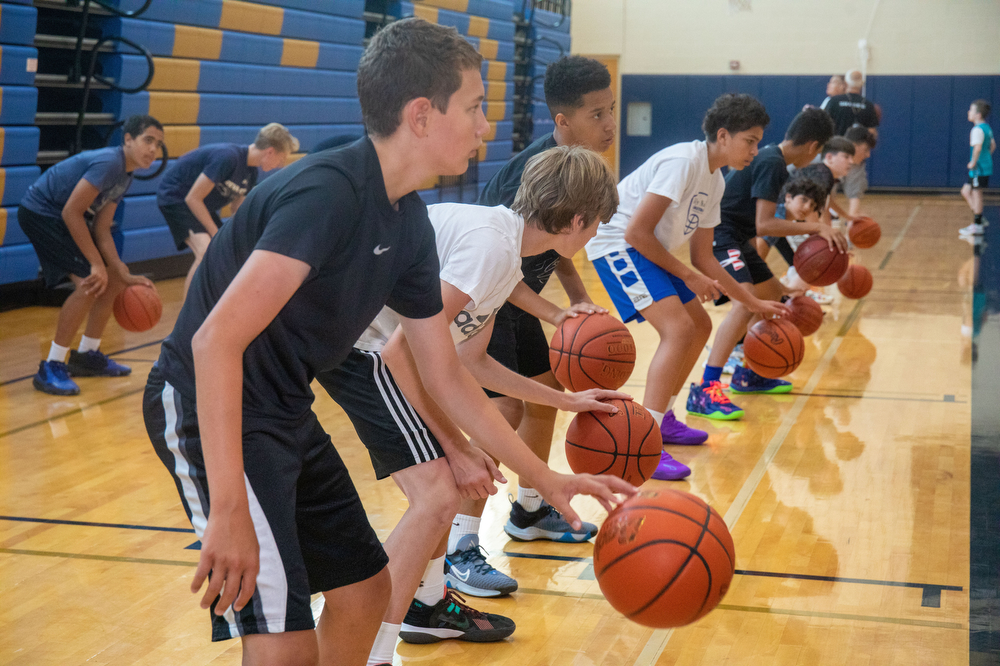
851,108
582,103
203,181
287,288
748,210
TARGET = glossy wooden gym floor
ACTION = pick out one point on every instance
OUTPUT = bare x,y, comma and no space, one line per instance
848,499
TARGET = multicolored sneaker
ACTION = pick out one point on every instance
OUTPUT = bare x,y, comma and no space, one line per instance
545,523
746,380
468,571
670,470
94,364
708,400
53,377
734,361
675,432
452,618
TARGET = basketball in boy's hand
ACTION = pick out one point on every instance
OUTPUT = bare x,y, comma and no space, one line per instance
817,264
592,351
856,283
864,232
626,444
664,558
138,308
773,348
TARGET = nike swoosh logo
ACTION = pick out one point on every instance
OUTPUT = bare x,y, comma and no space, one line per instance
379,249
465,578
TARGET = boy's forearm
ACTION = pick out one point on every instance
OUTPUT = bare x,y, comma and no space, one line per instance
200,211
494,376
80,233
526,299
571,281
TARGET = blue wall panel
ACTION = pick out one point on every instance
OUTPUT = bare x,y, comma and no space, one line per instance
18,263
931,117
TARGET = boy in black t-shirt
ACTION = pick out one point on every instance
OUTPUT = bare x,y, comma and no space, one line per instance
748,208
203,181
286,288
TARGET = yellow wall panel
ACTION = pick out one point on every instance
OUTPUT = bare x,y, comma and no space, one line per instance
454,5
174,108
248,17
479,26
1,142
426,13
3,223
492,133
299,53
181,139
175,74
496,70
495,110
496,90
200,43
488,48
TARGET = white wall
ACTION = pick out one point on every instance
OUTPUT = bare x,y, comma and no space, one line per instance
791,36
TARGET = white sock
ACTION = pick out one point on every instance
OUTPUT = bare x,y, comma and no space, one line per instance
462,526
57,353
385,644
670,404
431,588
658,416
528,498
89,344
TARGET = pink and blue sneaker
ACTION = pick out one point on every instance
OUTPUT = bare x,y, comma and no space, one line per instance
675,432
670,470
746,380
708,400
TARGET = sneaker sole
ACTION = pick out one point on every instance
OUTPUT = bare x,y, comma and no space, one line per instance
534,534
454,582
82,372
687,442
423,635
51,390
775,391
719,416
670,478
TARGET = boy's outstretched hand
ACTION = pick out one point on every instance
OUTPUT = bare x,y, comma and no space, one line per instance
559,489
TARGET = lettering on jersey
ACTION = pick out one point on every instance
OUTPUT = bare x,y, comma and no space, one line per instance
469,325
696,211
232,191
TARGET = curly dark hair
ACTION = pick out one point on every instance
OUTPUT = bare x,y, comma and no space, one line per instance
568,79
733,113
802,184
810,125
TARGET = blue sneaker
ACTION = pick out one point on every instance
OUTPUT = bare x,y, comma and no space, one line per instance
94,364
545,523
468,571
708,400
746,380
53,377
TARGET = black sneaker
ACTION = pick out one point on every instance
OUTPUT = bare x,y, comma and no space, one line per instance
452,618
94,364
544,523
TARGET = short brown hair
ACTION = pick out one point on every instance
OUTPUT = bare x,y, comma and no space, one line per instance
564,182
277,136
408,59
983,107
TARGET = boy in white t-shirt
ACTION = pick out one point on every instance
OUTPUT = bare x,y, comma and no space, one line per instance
565,191
673,199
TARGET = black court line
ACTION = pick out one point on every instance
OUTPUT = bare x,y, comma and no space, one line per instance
946,398
931,591
120,351
29,426
83,523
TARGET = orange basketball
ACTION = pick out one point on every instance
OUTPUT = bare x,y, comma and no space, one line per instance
807,315
865,232
817,264
626,444
856,283
592,351
664,558
773,348
138,308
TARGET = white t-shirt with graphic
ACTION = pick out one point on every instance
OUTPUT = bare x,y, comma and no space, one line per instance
679,173
479,248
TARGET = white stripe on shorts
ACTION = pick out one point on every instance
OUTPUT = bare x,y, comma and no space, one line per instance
637,292
182,469
402,412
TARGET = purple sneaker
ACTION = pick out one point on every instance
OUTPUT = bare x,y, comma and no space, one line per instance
675,432
669,469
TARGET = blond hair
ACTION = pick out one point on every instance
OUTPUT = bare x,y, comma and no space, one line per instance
564,182
277,136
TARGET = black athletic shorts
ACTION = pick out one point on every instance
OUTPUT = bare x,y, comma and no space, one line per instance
312,529
182,222
518,344
58,254
386,423
979,182
742,262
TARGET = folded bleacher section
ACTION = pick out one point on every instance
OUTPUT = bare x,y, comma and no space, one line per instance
18,135
546,38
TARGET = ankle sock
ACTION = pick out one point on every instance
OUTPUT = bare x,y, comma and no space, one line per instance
658,416
57,353
712,374
431,589
463,525
89,344
385,644
528,498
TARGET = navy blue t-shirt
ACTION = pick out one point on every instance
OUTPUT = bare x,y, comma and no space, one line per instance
225,164
103,168
329,210
501,190
763,179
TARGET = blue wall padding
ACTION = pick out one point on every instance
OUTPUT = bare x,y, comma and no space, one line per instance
248,109
18,105
20,146
351,8
18,263
16,182
18,65
17,24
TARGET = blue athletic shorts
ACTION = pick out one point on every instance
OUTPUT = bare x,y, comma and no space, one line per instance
634,283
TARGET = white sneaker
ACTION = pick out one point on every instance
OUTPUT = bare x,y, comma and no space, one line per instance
735,360
819,297
972,230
